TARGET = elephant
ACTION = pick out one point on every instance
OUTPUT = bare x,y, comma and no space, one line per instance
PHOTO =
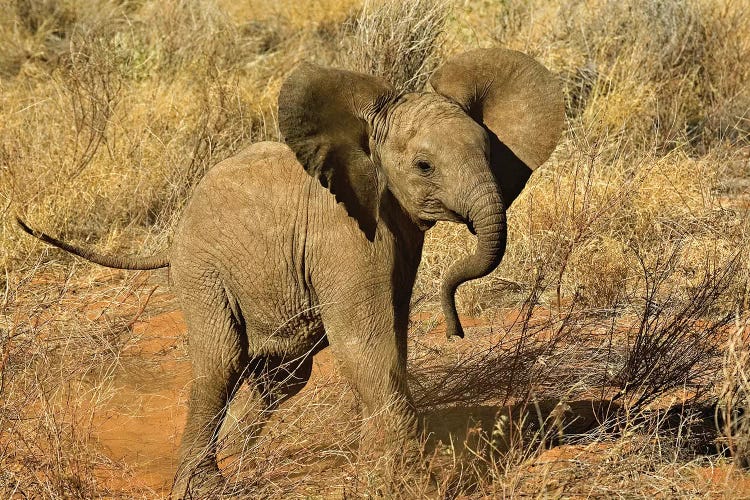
288,248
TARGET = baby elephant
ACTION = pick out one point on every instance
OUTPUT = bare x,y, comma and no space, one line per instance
285,249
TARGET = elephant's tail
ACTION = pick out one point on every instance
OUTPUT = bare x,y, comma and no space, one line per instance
132,263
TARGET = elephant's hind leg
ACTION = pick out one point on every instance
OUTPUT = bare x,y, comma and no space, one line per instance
271,380
218,350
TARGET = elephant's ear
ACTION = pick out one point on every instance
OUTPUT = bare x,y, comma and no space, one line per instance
326,118
516,99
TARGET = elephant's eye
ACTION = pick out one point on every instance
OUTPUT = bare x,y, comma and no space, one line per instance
424,167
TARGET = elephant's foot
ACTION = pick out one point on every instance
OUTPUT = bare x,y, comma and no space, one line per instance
397,471
203,481
393,456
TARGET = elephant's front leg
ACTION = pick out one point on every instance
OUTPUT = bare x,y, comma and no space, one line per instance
368,338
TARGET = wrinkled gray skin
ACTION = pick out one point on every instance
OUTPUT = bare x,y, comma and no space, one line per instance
270,268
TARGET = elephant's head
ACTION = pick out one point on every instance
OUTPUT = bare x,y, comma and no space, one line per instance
462,151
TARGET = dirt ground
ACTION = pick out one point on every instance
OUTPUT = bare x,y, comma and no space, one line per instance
140,425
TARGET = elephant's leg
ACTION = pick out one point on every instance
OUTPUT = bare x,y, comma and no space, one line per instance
271,382
283,378
218,352
373,358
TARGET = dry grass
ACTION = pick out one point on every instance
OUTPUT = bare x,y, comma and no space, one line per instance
63,336
628,260
397,41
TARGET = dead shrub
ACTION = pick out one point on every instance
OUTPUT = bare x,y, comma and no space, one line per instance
398,41
674,345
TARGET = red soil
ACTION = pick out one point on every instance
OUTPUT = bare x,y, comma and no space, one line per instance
142,423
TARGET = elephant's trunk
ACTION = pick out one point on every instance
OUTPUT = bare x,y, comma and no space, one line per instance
486,213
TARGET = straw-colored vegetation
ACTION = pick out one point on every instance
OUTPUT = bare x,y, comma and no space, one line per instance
622,299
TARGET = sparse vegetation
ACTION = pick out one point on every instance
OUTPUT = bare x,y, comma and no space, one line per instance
609,356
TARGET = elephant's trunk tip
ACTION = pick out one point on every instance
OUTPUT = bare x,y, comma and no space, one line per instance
458,333
453,328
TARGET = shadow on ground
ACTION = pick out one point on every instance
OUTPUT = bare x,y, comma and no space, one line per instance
501,429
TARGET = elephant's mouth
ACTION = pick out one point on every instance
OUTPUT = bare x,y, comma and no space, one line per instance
430,216
455,217
427,221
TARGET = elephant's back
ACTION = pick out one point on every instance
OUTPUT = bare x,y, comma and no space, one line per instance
262,170
254,189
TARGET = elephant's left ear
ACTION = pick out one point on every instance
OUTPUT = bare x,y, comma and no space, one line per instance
511,94
326,116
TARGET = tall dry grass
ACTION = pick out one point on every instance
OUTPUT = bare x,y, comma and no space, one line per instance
400,42
628,255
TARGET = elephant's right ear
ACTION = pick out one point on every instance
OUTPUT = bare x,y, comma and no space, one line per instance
326,118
